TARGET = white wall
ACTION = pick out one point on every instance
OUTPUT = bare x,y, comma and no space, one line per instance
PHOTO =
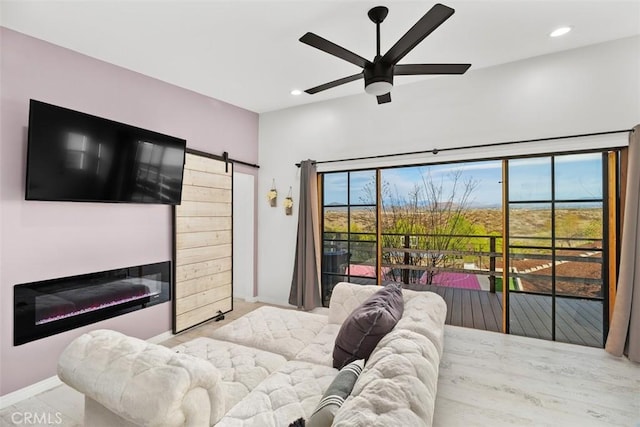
591,89
243,235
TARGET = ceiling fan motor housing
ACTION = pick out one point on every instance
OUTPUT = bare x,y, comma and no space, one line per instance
378,72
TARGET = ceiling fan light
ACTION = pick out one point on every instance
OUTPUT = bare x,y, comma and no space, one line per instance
378,88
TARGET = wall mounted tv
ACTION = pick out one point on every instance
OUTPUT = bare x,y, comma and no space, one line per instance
73,156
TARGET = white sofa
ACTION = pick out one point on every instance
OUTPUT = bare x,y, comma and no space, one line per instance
267,368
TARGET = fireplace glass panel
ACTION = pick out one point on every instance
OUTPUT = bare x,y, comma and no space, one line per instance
52,306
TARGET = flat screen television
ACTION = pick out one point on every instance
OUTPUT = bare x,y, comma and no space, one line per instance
73,156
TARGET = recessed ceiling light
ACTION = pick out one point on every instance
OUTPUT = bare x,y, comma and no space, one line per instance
560,31
296,92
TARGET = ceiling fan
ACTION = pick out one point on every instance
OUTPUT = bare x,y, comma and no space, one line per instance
378,75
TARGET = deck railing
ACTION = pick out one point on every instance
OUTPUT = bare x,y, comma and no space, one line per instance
419,258
430,254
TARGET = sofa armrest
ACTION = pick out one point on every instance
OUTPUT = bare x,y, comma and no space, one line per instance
399,382
397,386
425,314
143,383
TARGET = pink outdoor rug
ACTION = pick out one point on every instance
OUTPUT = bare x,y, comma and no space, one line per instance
453,280
447,279
363,270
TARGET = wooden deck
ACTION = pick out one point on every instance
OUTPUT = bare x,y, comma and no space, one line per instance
469,308
578,321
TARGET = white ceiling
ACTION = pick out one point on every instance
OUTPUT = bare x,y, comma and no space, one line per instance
247,53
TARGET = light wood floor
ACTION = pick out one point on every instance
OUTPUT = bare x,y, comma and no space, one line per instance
486,379
493,379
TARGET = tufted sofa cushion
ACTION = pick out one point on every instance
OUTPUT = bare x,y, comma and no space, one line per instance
291,392
241,368
143,383
273,329
320,349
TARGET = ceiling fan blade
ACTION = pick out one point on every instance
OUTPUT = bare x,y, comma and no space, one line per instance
334,83
425,26
383,99
333,49
420,69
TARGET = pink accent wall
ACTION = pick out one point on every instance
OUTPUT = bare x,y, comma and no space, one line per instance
44,240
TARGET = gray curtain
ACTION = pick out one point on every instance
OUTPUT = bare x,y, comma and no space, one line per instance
305,285
624,333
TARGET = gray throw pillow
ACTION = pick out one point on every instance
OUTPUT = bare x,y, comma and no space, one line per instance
367,324
334,397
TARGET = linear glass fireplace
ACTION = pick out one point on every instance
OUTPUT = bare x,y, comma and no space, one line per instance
52,306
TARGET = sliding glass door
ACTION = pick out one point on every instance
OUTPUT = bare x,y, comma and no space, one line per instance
524,245
555,232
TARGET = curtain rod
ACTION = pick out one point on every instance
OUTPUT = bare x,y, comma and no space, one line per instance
435,151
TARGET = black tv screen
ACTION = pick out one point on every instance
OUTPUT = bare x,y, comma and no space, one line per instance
73,156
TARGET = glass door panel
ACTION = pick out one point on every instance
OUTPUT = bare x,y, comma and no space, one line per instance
530,315
530,179
530,237
362,188
556,213
336,189
580,288
579,321
362,264
349,227
578,177
530,269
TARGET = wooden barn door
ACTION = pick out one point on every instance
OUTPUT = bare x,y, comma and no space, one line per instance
203,286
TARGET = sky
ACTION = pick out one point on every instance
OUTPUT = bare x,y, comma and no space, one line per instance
578,176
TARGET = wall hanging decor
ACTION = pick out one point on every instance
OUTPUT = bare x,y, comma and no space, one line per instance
272,195
288,203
